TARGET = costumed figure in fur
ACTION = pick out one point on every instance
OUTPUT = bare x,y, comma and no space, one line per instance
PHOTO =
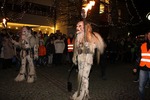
29,52
83,56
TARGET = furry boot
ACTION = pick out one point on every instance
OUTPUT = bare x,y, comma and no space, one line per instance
30,78
20,77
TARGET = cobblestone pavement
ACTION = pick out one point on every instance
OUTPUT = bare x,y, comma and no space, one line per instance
51,84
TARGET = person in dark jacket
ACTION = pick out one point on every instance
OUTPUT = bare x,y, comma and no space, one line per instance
50,48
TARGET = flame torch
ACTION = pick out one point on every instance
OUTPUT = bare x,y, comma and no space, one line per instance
4,23
85,8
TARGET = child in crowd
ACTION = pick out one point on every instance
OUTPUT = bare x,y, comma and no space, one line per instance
42,53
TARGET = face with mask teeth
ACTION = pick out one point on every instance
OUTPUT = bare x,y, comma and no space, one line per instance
80,27
26,31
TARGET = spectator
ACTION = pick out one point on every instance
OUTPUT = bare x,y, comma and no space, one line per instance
42,53
65,57
2,57
50,48
103,64
59,49
136,68
8,52
70,42
144,74
1,51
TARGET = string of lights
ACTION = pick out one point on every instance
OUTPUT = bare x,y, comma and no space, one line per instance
2,8
122,24
129,10
132,16
19,16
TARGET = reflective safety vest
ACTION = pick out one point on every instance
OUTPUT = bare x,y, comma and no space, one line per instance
70,45
145,56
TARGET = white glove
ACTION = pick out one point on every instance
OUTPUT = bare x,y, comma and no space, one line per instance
134,70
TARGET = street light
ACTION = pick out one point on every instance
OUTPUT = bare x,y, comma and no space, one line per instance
148,16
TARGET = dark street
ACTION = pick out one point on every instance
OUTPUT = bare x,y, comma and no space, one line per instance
51,84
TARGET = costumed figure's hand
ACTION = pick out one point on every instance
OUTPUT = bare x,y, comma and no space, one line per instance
36,57
74,60
134,70
13,41
27,46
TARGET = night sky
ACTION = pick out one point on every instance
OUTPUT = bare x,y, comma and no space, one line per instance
143,7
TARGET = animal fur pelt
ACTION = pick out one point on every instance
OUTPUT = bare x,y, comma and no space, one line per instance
90,36
86,41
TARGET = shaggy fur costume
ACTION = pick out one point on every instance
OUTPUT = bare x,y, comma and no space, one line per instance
29,50
86,42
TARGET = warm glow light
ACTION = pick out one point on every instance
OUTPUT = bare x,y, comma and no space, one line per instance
101,8
4,22
105,1
52,28
88,7
92,3
21,25
128,33
46,27
16,26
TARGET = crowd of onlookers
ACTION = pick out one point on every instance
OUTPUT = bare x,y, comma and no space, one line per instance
6,51
53,49
122,49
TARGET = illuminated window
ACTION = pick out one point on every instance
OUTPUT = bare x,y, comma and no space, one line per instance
105,1
101,8
102,0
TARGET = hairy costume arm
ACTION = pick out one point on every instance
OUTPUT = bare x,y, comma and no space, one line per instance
100,46
15,42
74,59
101,43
